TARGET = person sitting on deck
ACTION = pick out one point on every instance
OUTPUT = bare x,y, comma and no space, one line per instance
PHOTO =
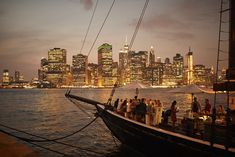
220,112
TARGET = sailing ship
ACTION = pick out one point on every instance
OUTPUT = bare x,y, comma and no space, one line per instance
152,140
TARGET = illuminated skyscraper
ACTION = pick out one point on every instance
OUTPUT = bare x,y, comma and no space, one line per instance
199,74
178,64
137,63
93,74
115,72
57,67
79,70
189,67
151,57
17,76
123,69
42,71
159,60
105,63
5,78
168,73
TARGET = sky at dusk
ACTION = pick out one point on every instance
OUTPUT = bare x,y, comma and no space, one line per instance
29,28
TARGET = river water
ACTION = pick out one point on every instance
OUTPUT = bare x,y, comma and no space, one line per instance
48,113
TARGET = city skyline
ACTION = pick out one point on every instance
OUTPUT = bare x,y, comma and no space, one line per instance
31,28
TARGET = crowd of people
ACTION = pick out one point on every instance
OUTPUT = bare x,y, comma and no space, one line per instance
142,110
151,111
197,109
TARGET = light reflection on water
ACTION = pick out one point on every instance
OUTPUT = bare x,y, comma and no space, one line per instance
46,112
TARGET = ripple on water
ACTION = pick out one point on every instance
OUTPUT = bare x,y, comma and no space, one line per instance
46,112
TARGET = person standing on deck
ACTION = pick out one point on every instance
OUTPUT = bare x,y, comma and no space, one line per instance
158,112
173,113
141,110
196,107
207,107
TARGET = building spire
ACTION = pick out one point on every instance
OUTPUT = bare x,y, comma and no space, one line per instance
126,40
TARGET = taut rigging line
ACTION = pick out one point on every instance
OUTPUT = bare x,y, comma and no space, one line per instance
45,140
101,27
51,140
138,24
89,26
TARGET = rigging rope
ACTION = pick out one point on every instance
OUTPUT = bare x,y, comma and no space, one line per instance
101,126
138,24
101,27
89,26
48,140
23,139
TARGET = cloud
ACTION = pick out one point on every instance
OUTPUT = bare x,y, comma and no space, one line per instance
178,35
87,4
164,21
198,11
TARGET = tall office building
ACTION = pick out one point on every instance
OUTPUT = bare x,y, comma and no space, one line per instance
105,63
199,72
151,57
57,67
93,74
80,70
168,73
123,68
153,76
137,63
42,71
115,72
17,76
190,67
5,78
159,60
178,64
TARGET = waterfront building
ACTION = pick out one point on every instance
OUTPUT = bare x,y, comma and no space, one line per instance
168,77
189,71
199,74
21,78
123,69
151,57
222,76
178,65
42,71
80,70
57,67
115,72
153,76
209,76
159,60
17,76
137,63
105,64
93,74
5,77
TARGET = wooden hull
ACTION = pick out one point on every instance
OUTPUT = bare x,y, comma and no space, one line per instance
154,141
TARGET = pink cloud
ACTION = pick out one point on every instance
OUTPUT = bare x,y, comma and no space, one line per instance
87,4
